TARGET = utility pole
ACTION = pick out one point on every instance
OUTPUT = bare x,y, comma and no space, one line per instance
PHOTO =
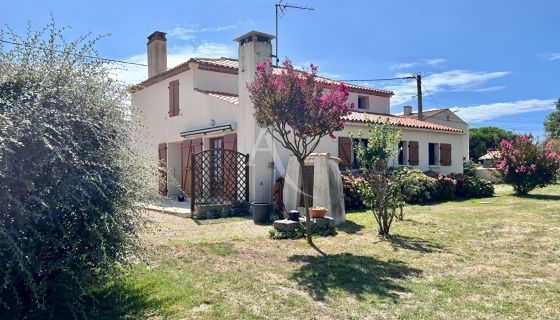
418,78
281,10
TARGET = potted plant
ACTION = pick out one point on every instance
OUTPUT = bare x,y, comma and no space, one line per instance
318,212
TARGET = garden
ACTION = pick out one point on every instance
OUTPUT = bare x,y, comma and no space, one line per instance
75,244
468,258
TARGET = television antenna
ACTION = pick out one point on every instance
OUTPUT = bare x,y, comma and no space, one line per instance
281,9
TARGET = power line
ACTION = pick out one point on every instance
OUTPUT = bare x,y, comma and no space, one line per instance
379,79
75,54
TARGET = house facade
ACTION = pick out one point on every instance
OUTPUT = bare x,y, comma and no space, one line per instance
203,104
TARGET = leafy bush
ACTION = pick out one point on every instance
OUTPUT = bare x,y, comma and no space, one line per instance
478,188
352,199
299,233
527,165
416,186
70,178
469,168
445,187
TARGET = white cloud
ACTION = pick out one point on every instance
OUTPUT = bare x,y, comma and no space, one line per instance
421,62
485,112
551,56
131,74
189,32
448,81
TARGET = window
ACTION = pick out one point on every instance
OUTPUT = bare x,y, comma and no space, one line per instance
173,98
363,102
403,153
433,154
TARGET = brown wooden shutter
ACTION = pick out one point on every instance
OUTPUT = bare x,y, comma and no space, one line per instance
413,158
188,147
230,142
345,152
174,98
445,154
162,156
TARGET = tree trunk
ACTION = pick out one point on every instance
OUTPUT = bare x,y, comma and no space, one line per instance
308,229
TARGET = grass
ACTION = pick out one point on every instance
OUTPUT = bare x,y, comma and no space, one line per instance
494,258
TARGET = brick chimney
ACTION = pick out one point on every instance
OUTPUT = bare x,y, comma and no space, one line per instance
407,110
157,53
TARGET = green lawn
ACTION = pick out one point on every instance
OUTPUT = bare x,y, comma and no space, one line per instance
493,258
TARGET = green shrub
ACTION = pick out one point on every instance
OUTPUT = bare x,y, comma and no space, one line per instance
352,199
479,188
415,185
299,233
70,178
445,187
469,168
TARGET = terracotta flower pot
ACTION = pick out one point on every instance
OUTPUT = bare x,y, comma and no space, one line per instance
318,213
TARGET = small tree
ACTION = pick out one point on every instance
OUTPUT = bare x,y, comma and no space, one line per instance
527,165
297,111
552,123
382,195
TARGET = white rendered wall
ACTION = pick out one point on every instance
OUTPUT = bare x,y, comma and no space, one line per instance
453,122
424,137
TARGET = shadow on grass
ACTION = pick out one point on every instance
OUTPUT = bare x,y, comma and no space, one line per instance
540,196
356,275
413,243
350,227
122,300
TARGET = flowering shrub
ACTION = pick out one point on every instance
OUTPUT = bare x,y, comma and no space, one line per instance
416,186
297,111
445,187
352,199
527,165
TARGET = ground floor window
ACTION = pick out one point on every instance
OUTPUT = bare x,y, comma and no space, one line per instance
403,153
433,154
355,142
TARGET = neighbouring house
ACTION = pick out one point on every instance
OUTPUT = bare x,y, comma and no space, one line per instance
203,104
487,160
444,117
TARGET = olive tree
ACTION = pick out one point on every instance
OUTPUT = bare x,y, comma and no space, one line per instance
70,175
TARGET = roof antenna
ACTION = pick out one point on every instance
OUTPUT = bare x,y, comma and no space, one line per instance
281,9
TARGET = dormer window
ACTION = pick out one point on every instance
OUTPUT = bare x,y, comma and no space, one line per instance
363,102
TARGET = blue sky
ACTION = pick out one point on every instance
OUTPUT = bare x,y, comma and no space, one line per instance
497,62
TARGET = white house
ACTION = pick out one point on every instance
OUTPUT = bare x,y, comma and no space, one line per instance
203,104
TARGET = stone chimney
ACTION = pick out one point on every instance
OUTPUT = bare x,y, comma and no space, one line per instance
157,53
254,48
407,110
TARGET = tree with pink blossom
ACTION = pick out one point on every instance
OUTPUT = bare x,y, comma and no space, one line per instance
297,110
526,164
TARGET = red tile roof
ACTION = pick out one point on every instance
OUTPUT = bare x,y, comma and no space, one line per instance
398,121
228,97
229,65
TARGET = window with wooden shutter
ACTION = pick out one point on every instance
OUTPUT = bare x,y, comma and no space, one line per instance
174,98
445,154
345,152
413,158
230,141
188,148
